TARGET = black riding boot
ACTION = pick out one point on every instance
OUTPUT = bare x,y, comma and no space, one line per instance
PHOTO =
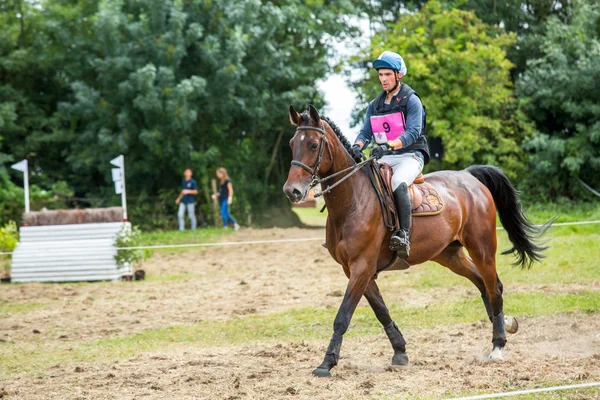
399,241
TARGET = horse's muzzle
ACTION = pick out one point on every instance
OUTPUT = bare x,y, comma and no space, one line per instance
294,192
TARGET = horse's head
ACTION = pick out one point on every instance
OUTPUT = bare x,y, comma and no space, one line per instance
311,153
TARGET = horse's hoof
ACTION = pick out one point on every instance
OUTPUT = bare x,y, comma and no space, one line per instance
496,354
321,373
400,359
512,325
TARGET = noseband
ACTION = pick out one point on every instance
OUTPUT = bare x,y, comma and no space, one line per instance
315,180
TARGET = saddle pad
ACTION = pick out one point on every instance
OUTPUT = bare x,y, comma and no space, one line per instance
425,200
424,197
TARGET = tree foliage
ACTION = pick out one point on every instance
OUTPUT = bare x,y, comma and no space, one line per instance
461,72
205,83
560,92
522,17
169,84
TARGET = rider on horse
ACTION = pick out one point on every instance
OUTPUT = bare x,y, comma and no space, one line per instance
396,121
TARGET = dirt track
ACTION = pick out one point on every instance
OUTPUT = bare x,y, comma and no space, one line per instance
218,283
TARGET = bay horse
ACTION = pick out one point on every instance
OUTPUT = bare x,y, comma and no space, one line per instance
358,240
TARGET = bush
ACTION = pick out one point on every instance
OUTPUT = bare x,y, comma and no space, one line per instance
9,237
130,237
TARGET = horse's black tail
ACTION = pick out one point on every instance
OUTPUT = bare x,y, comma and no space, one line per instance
521,232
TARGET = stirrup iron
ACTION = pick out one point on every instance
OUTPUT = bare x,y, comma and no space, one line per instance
399,242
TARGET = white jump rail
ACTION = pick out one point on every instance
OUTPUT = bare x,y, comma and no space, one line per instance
63,253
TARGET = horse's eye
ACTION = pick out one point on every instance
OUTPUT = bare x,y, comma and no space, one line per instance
314,146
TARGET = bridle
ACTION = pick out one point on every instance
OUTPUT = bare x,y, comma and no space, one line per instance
313,171
315,179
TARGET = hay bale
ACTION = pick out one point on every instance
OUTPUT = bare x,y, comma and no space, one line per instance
68,217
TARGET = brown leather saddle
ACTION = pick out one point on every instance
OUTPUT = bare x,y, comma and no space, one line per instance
424,197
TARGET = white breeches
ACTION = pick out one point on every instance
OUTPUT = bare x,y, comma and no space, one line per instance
406,168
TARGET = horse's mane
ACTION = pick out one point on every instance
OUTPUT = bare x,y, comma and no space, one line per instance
306,119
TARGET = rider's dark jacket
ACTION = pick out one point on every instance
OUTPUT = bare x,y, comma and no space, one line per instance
413,139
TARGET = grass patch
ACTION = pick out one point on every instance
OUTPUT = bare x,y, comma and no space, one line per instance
294,325
312,216
11,307
200,235
573,257
541,212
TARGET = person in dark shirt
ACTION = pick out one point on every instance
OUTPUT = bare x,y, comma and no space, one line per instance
225,197
187,200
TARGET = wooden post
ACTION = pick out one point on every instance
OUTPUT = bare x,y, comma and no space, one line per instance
216,216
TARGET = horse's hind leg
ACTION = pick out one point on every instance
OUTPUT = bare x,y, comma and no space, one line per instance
376,302
483,253
456,260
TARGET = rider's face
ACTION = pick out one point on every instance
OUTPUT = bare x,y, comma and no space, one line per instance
388,78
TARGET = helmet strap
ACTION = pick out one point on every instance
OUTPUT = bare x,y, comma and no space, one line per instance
392,90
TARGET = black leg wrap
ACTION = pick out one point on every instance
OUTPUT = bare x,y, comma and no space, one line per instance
488,306
395,336
334,348
331,357
499,335
398,344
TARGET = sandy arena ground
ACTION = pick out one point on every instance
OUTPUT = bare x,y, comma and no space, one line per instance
219,283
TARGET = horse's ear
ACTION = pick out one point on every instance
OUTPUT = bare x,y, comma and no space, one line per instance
314,114
294,116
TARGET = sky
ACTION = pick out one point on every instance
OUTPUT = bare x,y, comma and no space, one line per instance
340,101
339,96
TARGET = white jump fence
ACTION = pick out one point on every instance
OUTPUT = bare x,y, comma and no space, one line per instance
60,253
85,252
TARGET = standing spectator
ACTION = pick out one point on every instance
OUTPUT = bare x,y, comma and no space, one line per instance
187,200
225,197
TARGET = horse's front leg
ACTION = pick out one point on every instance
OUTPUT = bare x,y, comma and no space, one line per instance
361,272
375,299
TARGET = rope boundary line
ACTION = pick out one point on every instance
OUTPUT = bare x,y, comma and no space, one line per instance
527,391
167,246
174,246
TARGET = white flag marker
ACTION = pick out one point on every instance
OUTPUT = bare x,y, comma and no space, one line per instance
118,162
20,166
118,177
24,168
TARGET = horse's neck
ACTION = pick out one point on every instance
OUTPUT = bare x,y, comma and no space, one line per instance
348,196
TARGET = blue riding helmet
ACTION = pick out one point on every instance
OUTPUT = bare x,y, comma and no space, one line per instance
391,60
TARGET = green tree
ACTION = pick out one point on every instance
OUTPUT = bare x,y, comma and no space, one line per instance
560,92
461,72
522,17
169,84
35,43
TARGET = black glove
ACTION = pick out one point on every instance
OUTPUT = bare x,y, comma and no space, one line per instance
379,151
356,153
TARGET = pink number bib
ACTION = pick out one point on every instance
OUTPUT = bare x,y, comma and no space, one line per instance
387,127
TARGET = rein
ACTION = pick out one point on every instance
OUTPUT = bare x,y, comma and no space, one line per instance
316,180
